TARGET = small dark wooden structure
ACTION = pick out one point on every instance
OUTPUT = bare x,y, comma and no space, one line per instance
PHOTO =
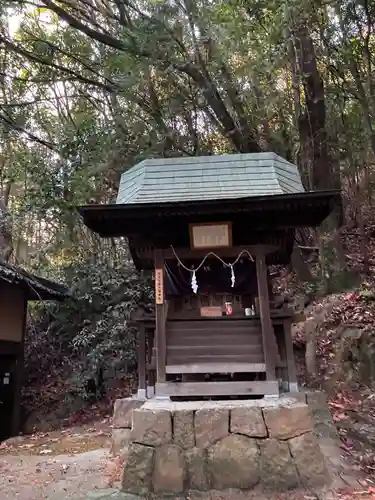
209,227
17,287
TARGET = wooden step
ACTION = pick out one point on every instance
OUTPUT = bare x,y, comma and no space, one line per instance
213,339
214,350
205,359
247,332
220,367
200,326
216,388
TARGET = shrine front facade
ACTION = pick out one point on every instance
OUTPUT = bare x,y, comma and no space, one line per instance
208,228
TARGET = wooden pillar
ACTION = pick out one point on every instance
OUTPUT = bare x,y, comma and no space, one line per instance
150,379
160,320
292,372
141,361
265,317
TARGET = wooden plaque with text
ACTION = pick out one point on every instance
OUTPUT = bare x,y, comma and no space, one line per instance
210,235
159,286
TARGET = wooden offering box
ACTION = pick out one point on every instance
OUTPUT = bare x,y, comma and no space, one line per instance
211,311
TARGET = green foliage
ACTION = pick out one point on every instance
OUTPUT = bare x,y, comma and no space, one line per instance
91,331
84,95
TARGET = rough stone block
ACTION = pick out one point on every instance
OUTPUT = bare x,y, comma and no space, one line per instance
183,429
316,399
309,460
196,469
120,442
320,413
326,430
299,396
123,410
317,403
233,462
248,421
287,422
277,469
152,427
137,477
211,424
169,470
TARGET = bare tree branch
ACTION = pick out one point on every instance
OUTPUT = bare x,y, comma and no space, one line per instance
32,57
8,121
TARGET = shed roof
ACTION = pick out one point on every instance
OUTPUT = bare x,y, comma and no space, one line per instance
36,288
208,178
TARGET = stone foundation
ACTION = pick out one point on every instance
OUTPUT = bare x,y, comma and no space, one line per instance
180,446
122,423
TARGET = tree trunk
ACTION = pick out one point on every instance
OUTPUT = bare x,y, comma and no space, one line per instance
301,268
312,123
6,241
315,159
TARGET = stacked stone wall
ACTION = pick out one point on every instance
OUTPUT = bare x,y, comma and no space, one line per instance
174,448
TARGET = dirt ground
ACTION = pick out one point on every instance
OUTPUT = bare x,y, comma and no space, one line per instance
56,478
59,465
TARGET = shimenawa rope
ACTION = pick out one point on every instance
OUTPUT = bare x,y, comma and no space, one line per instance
194,283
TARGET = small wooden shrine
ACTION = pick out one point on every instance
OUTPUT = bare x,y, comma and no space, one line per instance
209,227
17,287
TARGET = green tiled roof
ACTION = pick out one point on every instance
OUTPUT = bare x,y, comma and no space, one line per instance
208,178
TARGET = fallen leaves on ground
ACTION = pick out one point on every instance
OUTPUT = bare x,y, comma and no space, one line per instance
114,471
346,332
349,494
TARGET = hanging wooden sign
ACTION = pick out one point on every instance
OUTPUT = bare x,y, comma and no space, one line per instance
210,235
159,286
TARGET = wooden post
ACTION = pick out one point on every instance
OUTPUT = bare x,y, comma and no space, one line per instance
265,317
161,347
292,372
141,362
150,369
